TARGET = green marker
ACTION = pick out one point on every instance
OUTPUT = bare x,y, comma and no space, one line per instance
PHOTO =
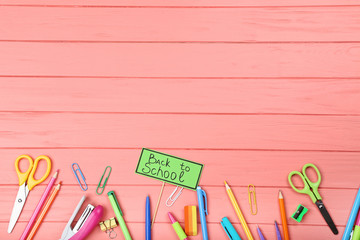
119,214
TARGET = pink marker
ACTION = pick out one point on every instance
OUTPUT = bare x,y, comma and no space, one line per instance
178,229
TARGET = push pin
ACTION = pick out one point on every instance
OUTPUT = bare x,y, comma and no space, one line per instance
108,226
299,213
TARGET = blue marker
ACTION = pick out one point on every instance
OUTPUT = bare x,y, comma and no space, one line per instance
353,213
147,219
203,210
229,229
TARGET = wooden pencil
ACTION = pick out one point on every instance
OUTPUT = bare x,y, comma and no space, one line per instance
283,216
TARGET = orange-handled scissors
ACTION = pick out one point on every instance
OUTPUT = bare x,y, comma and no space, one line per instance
26,183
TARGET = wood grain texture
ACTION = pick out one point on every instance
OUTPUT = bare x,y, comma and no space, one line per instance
139,95
180,131
182,24
180,60
257,163
251,89
180,3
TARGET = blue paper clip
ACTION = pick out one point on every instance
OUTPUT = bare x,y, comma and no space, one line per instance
229,229
77,177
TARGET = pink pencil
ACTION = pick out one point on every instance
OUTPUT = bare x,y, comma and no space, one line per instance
38,207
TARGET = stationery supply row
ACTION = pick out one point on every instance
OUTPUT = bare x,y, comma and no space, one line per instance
183,174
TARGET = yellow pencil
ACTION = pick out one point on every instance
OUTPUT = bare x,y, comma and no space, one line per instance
238,212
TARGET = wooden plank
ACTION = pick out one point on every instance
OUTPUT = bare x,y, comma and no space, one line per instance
131,198
137,231
289,96
193,131
293,24
179,3
180,60
219,165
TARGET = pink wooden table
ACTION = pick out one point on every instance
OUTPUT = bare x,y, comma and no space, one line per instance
251,89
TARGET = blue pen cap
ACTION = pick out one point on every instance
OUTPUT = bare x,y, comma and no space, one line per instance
229,229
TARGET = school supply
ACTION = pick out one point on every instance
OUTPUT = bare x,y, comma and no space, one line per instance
88,220
44,211
77,171
119,214
356,234
278,234
261,236
178,229
171,199
229,229
108,226
311,188
202,201
351,220
238,212
299,213
147,219
102,187
190,220
26,183
253,203
39,206
283,216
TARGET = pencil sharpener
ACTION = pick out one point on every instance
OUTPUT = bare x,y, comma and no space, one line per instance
299,213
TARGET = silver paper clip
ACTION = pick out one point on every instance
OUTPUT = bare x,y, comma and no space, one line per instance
173,199
76,171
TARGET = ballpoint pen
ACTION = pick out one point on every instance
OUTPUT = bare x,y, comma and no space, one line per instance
147,219
119,214
203,211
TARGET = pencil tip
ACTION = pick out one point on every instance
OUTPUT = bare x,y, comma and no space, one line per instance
225,182
280,194
56,173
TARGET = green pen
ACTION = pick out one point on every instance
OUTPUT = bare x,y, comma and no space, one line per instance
119,214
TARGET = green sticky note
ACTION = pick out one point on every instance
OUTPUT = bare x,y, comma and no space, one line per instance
170,169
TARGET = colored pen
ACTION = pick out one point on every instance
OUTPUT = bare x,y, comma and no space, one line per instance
238,212
39,206
278,234
229,229
351,220
283,216
44,211
202,201
147,219
119,214
178,229
356,234
259,232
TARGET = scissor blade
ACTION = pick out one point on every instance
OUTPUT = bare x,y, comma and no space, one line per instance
326,216
18,206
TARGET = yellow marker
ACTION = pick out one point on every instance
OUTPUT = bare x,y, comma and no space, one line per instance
238,212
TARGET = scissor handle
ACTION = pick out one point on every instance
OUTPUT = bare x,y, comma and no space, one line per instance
306,189
314,185
33,182
23,175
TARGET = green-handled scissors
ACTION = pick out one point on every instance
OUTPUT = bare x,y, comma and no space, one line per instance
311,189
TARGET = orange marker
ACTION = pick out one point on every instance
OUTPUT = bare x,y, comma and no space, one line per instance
44,211
283,216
